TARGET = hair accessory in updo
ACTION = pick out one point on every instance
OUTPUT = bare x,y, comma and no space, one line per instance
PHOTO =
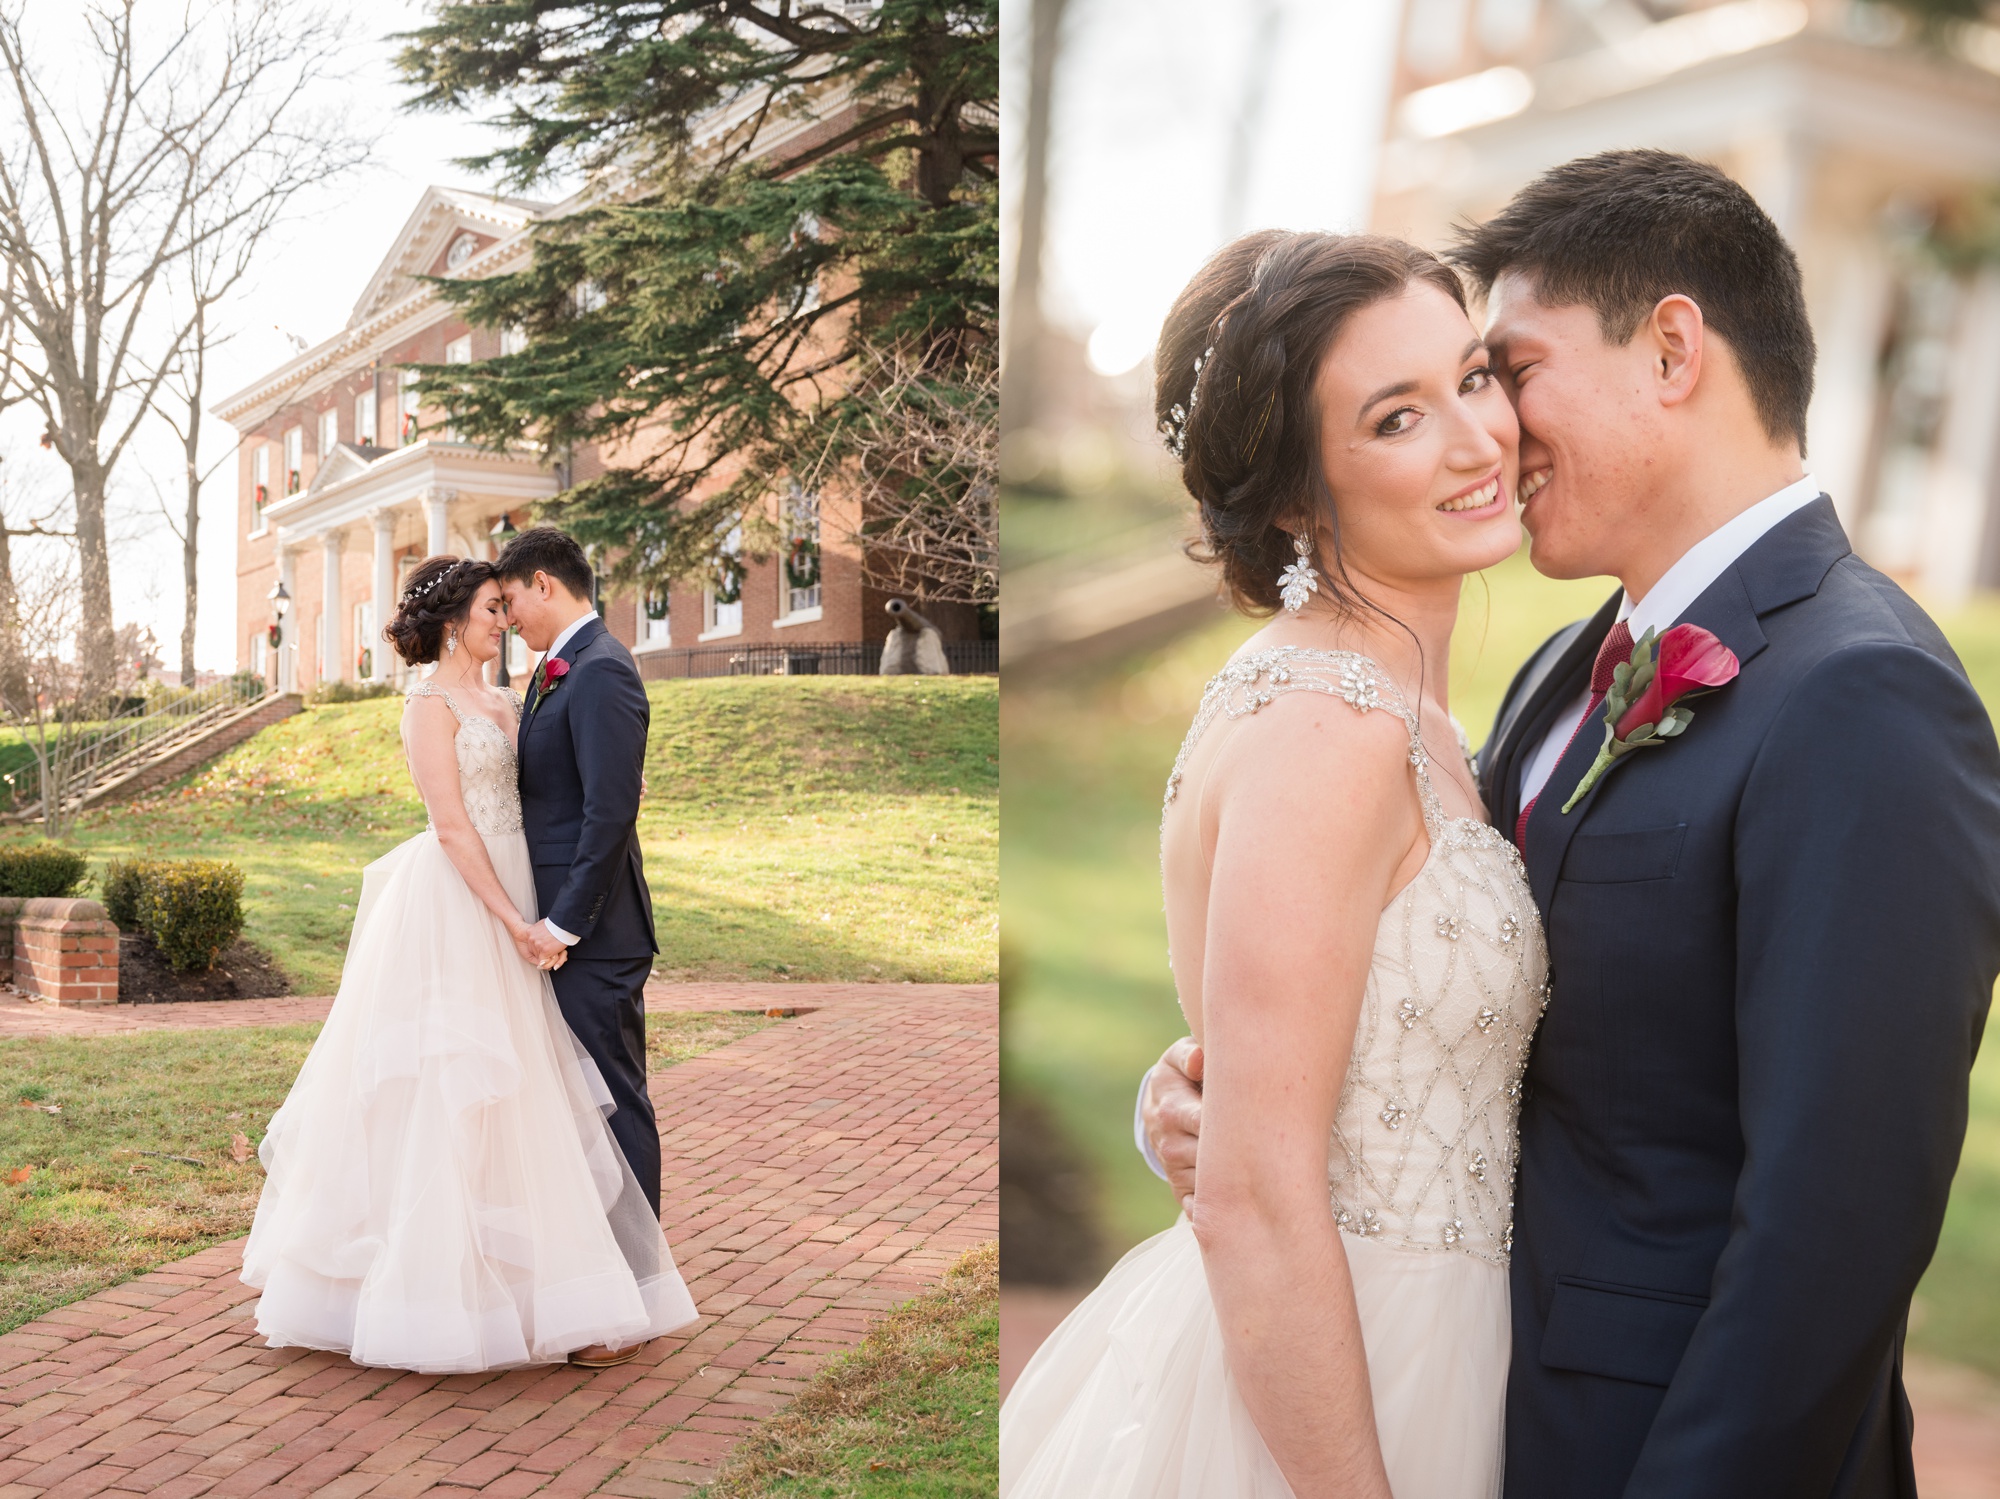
423,591
1175,424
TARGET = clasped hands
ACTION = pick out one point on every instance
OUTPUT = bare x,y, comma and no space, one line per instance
538,945
1170,1108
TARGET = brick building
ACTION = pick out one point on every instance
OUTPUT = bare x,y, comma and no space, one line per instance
346,484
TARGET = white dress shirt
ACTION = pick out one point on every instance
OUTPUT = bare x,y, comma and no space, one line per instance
560,641
1667,600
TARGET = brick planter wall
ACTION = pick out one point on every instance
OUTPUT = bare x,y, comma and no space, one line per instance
62,950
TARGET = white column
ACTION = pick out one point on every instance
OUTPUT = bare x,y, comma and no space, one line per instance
435,500
384,522
1962,463
332,668
288,648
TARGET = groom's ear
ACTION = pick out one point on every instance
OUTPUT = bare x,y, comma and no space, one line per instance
1675,336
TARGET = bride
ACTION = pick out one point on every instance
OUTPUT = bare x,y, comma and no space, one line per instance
1355,948
444,1194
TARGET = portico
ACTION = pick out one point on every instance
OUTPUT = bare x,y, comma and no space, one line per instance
394,508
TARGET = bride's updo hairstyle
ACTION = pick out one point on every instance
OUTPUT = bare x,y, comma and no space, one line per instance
1260,316
438,596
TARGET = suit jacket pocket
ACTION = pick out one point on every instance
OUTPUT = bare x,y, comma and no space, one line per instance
1611,858
563,854
1621,1332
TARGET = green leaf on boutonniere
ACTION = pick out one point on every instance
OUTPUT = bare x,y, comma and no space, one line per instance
1645,696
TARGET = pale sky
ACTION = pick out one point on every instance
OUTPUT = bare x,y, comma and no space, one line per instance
1148,98
314,267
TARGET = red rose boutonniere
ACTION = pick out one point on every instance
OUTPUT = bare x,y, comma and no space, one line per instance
1645,704
553,671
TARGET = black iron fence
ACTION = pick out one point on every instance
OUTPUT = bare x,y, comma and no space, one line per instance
857,658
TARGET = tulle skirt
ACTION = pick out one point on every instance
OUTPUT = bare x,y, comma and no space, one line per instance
443,1192
1130,1397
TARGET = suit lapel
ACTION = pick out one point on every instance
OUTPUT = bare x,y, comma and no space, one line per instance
1785,565
586,633
1528,725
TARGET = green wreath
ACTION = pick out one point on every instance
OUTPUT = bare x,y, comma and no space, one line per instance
802,563
728,579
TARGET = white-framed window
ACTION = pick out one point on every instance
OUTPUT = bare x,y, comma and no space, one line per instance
260,486
364,417
590,296
458,351
513,339
329,434
295,459
721,614
260,653
655,623
799,567
406,408
365,643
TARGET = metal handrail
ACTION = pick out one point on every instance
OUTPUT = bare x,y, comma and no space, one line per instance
138,739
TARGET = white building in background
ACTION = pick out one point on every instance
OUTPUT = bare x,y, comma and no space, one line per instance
1855,139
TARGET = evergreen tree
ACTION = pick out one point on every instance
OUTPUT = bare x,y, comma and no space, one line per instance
732,284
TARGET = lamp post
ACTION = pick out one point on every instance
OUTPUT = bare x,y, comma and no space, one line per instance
504,531
281,603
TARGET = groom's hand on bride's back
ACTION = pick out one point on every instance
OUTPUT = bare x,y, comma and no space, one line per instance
1171,1106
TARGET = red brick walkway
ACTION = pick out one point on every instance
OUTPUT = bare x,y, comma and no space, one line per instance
818,1173
22,1016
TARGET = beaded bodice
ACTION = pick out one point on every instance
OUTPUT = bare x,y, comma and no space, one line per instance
487,779
1424,1141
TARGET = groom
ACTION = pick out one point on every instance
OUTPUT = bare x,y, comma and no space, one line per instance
1773,939
582,753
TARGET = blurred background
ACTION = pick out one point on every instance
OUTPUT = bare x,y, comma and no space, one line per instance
1139,136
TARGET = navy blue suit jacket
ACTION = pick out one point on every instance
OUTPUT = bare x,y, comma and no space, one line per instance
582,754
1772,945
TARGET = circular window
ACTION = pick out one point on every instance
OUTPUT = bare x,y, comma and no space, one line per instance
460,251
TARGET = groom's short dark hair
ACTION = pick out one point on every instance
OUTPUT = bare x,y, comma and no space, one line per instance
544,549
1619,231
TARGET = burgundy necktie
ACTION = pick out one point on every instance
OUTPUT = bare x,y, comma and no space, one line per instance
1614,653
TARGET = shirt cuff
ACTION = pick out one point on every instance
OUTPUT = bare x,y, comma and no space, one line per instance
1139,1128
560,935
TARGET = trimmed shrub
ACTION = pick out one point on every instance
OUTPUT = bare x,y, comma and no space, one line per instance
192,908
122,881
41,869
349,692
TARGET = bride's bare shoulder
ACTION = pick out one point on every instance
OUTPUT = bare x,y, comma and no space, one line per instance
1306,717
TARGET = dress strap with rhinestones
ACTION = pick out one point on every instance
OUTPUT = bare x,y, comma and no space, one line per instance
1255,681
431,689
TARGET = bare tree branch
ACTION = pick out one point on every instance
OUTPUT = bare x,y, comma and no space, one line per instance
124,220
919,451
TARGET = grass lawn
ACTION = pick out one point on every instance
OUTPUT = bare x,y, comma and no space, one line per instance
1087,759
794,828
104,1198
912,1413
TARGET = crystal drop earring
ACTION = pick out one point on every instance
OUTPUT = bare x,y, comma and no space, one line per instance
451,644
1300,581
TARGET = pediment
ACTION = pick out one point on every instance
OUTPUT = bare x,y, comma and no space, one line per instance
348,460
442,214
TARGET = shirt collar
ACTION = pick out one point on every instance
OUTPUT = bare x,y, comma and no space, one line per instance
1708,559
563,639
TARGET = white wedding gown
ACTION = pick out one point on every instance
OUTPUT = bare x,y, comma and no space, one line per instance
1132,1397
444,1194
